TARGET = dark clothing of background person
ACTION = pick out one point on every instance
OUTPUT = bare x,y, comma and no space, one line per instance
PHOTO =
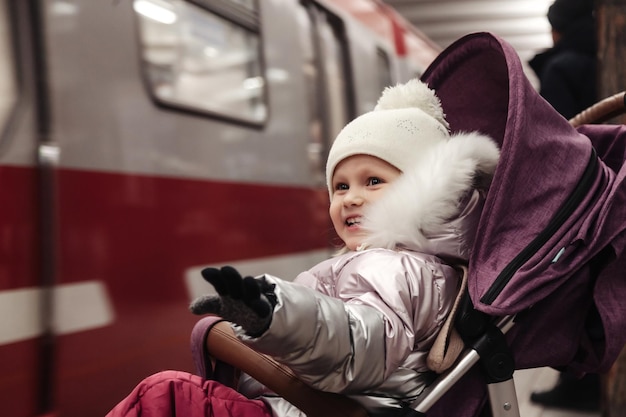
567,71
567,76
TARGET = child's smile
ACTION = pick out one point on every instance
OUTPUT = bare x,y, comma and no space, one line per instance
353,221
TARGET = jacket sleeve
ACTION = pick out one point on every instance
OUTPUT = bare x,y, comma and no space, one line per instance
351,337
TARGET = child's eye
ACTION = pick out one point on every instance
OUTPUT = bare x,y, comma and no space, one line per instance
374,181
341,186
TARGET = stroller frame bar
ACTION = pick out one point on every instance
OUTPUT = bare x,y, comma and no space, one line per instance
503,399
437,389
502,394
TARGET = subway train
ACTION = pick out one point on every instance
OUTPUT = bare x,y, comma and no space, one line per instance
142,140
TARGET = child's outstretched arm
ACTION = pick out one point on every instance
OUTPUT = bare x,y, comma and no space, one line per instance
351,342
281,319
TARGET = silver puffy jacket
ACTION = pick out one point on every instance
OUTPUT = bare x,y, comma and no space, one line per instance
361,323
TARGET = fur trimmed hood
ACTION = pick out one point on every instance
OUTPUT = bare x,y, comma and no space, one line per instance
434,206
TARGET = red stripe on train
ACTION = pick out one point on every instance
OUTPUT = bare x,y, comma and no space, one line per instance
112,223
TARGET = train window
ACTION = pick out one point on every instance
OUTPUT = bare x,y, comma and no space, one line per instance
8,93
249,4
331,71
326,71
199,59
384,69
333,54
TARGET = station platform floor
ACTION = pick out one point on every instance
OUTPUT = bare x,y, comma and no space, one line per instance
540,379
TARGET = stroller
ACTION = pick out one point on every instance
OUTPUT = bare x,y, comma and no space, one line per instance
545,283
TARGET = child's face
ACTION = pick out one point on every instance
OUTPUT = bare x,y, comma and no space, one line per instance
357,181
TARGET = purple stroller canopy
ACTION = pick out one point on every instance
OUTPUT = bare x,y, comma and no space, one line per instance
552,232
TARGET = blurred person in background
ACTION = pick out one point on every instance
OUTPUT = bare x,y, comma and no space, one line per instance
567,75
567,71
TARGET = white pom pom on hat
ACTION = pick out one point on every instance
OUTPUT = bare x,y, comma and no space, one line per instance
406,122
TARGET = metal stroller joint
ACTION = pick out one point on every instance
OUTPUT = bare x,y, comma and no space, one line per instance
479,332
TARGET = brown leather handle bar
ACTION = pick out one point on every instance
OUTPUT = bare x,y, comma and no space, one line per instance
223,345
601,111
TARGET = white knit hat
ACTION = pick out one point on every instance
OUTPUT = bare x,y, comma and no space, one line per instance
406,122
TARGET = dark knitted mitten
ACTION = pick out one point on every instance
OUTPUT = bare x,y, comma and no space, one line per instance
248,302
